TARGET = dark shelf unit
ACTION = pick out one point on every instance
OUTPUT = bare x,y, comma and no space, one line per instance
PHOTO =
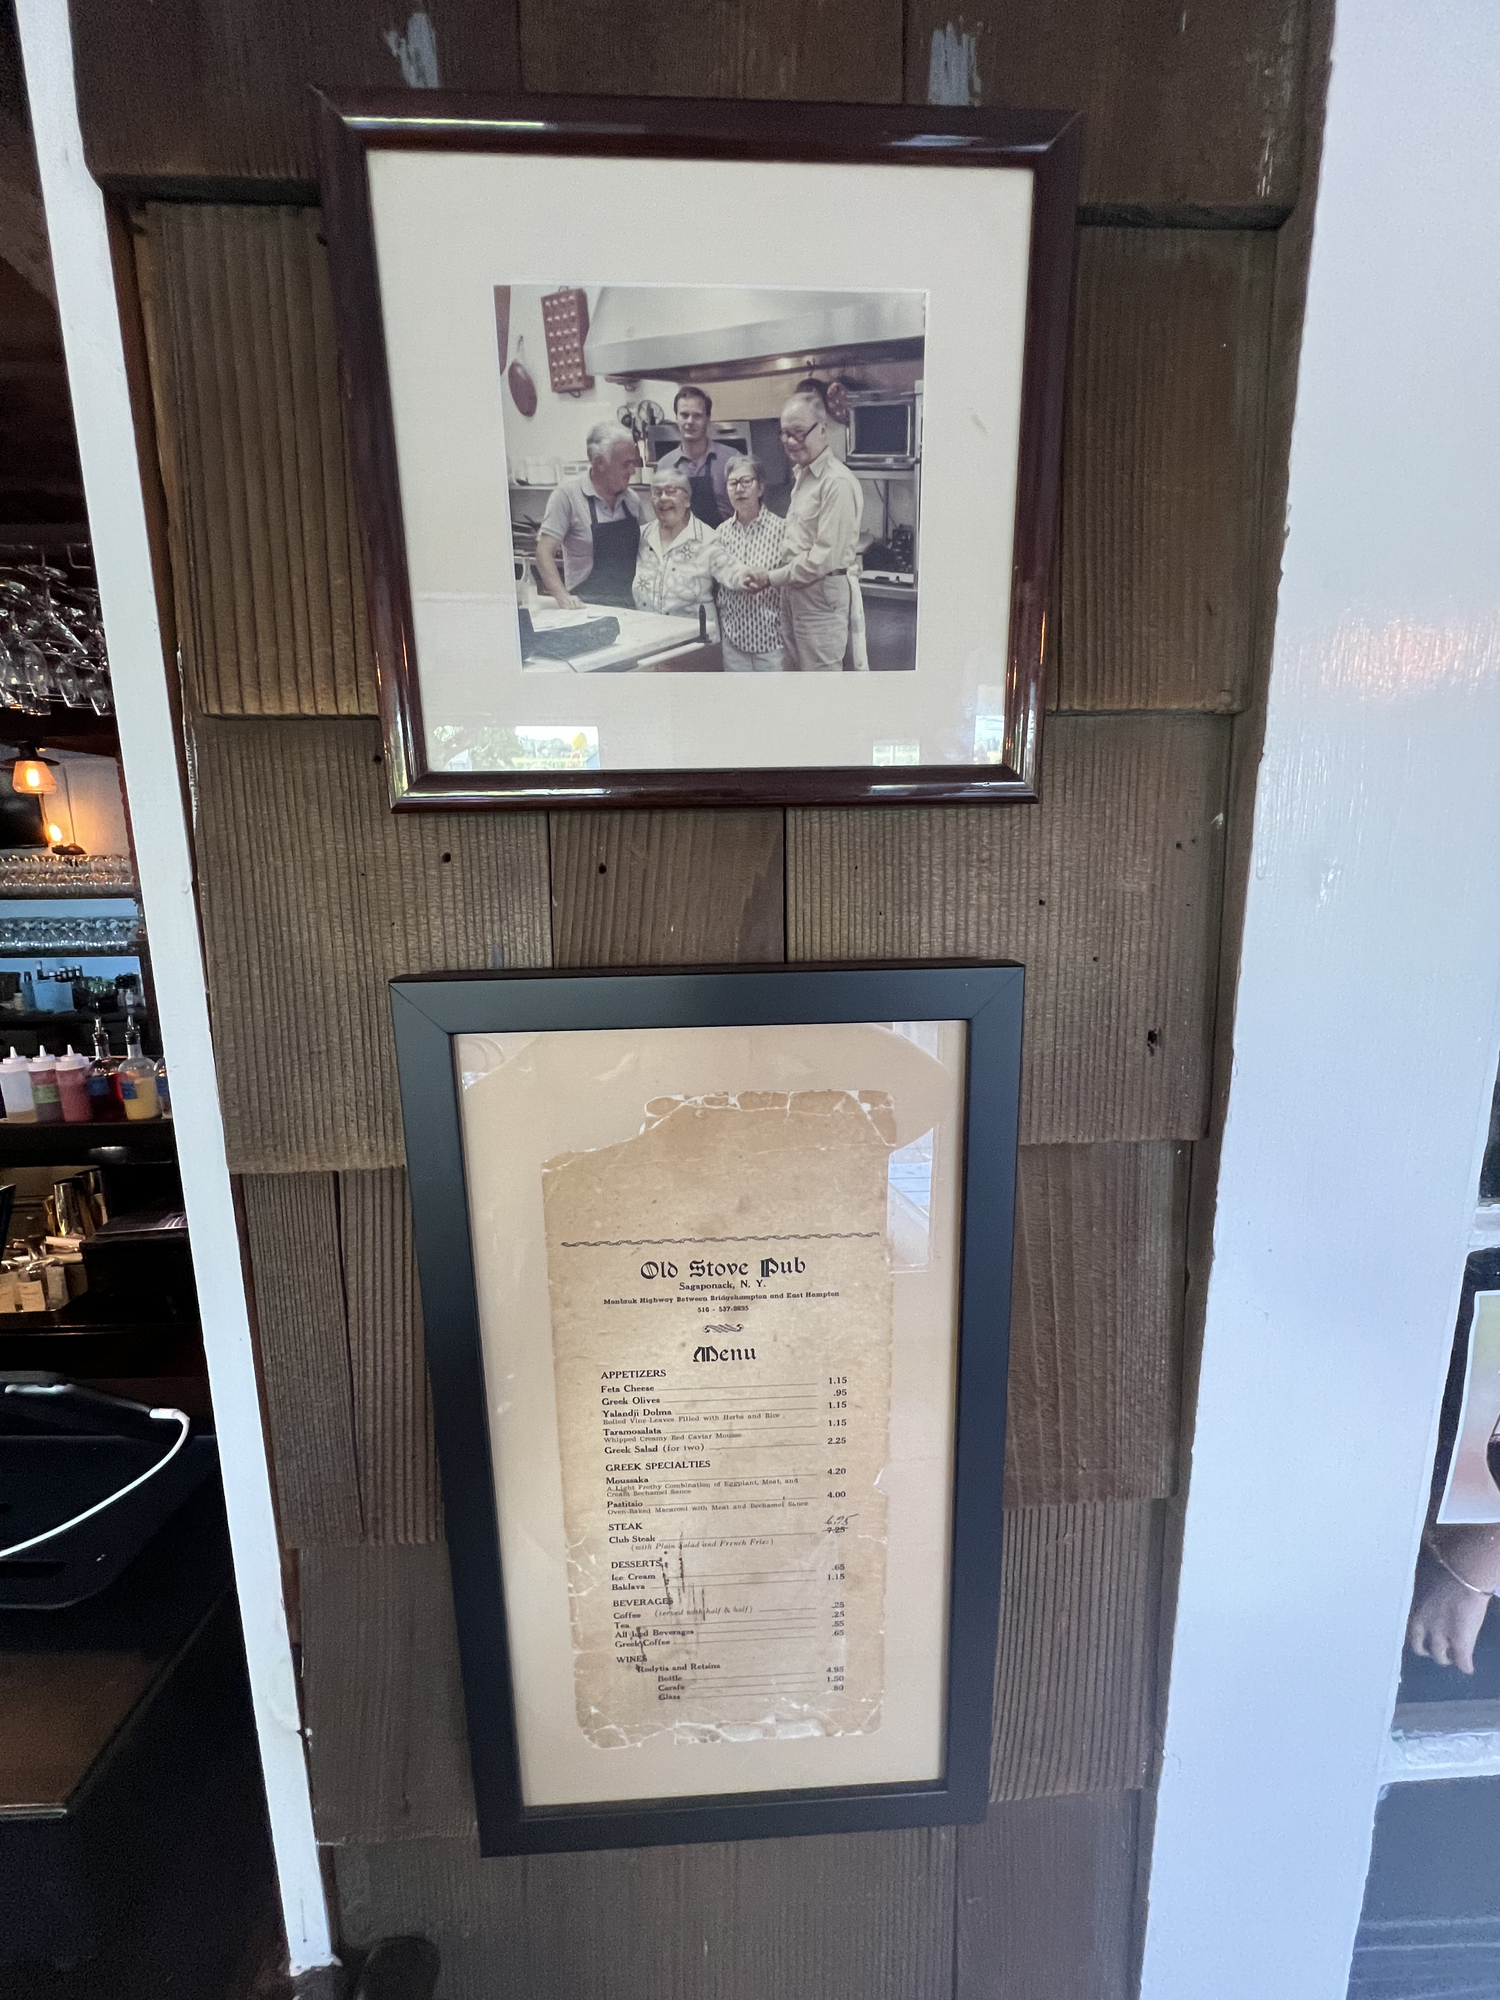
70,1017
65,891
144,1143
63,728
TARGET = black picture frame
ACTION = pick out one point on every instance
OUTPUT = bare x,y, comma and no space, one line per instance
428,1012
1046,144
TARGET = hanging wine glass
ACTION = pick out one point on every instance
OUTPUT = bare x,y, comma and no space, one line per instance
52,648
12,681
69,687
34,672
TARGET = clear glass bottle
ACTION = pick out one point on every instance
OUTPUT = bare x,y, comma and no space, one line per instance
105,1106
135,1077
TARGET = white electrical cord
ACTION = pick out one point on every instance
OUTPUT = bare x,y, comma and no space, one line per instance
161,1416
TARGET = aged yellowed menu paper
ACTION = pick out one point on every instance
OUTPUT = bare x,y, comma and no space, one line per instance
717,1278
721,1336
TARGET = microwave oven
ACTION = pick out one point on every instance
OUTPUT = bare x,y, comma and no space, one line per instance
885,432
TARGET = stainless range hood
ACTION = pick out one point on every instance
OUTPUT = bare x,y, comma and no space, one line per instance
712,333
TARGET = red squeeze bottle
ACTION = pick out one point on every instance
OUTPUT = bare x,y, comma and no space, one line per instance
72,1087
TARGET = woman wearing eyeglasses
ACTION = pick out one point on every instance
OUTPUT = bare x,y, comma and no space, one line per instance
816,572
671,570
751,539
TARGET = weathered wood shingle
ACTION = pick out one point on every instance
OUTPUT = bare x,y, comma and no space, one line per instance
1096,1324
1187,110
1046,1900
1162,468
1108,894
714,48
315,895
262,523
1075,1673
842,1917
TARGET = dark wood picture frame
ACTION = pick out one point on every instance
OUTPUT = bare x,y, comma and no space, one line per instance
1046,144
429,1011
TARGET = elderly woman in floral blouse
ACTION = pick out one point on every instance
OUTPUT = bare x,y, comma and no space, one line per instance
751,539
672,566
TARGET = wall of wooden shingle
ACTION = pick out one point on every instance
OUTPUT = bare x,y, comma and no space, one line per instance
1113,893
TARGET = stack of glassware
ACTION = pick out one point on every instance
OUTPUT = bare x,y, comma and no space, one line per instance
28,872
51,637
48,937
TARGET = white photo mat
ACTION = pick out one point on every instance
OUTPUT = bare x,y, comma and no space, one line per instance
525,1099
450,227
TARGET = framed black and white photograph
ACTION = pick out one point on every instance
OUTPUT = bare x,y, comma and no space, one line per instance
715,1273
654,535
754,500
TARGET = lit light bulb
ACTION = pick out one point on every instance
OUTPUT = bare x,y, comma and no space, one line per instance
32,777
54,833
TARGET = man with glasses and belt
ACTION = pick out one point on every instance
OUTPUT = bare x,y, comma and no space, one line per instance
815,574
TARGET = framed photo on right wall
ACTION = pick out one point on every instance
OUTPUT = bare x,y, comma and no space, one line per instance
754,504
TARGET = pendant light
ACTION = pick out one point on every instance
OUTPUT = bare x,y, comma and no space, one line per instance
31,775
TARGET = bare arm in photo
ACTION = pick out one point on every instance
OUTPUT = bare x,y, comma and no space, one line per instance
723,567
548,548
1458,1570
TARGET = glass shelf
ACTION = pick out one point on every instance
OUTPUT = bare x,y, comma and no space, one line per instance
25,872
72,937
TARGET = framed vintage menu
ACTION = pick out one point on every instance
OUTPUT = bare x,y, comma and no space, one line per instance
770,518
715,1273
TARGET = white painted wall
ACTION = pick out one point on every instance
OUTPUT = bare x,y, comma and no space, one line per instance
1365,1039
92,811
106,442
87,805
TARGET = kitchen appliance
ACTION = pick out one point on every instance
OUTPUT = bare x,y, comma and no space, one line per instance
722,333
891,560
639,417
522,388
885,431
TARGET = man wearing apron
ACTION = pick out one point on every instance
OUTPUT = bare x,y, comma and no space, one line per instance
594,523
705,466
615,545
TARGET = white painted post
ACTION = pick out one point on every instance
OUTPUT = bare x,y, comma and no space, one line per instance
106,442
1365,1038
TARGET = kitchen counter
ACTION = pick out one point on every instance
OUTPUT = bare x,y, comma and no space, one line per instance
648,643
